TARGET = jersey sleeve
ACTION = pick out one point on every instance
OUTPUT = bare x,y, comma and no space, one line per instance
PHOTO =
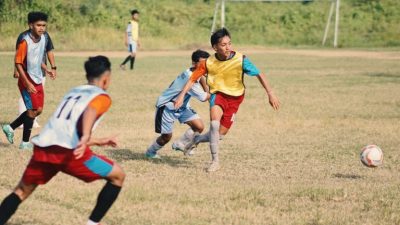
129,28
249,68
49,43
197,92
21,53
19,39
101,104
200,71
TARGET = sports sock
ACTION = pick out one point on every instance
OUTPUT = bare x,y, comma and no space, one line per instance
214,140
28,124
187,137
132,62
106,198
202,138
153,148
126,60
8,207
91,223
19,121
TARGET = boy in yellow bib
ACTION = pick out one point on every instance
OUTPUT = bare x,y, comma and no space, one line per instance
224,72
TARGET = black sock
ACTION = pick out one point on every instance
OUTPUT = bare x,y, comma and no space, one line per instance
106,198
19,121
127,59
8,207
132,62
28,124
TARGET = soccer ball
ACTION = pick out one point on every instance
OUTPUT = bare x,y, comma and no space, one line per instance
371,156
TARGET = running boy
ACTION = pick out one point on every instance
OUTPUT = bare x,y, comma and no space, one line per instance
132,39
64,145
29,63
224,72
166,114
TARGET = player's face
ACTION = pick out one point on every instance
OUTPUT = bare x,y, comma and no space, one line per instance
224,47
135,16
38,27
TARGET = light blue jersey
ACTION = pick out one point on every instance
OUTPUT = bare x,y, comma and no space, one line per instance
169,95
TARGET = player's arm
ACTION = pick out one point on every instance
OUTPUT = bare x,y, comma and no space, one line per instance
273,100
203,83
20,57
200,71
250,69
52,60
95,109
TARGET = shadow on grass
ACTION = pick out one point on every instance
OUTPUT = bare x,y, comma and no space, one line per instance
4,145
347,176
122,155
384,75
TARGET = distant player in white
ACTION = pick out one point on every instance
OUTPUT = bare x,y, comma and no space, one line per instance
166,114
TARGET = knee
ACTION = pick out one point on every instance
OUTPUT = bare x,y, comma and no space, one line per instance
22,192
118,176
199,128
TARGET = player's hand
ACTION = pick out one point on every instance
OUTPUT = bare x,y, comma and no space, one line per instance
52,73
274,101
16,75
109,141
30,88
81,147
178,103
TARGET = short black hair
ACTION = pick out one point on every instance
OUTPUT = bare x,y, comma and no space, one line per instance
196,55
135,11
218,35
96,66
37,16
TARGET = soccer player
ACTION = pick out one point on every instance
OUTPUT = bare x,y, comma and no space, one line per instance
132,39
29,63
166,114
224,71
64,145
49,54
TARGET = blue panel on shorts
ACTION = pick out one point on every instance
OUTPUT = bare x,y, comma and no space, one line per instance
212,99
98,166
27,99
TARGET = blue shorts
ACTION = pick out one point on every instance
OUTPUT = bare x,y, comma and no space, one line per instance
166,117
132,47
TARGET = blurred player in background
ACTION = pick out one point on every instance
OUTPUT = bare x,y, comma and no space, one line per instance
132,39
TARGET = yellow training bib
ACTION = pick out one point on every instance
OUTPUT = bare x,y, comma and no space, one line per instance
226,76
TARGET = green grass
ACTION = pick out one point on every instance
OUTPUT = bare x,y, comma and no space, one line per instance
184,24
296,166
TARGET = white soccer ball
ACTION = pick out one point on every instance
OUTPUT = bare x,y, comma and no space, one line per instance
371,156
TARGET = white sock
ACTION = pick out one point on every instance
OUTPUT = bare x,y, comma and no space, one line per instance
153,148
187,137
91,223
214,140
202,138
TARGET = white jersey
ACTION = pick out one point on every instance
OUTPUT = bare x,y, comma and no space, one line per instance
171,93
61,129
34,58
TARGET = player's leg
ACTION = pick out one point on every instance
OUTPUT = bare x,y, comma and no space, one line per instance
10,204
191,118
108,194
133,55
35,173
93,167
128,58
164,122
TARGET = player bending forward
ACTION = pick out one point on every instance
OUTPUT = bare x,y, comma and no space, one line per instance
63,145
224,71
166,114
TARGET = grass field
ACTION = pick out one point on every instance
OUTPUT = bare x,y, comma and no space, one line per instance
296,166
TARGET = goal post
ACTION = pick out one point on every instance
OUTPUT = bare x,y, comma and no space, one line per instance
220,5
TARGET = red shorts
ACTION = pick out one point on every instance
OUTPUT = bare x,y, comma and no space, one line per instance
47,162
229,104
32,100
